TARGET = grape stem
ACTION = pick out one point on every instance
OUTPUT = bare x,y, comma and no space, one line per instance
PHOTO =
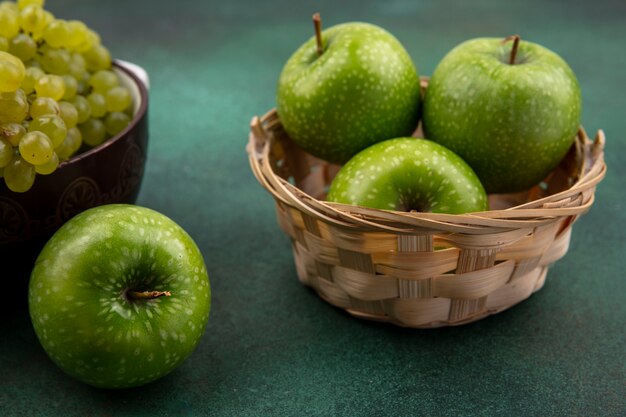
515,39
317,24
147,295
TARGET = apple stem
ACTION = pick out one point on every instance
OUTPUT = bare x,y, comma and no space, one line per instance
515,39
147,295
317,24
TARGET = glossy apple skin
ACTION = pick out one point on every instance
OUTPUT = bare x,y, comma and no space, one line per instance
363,89
407,174
79,304
511,123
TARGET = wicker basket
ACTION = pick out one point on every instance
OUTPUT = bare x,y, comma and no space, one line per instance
422,270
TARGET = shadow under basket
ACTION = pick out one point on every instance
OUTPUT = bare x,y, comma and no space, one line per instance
422,270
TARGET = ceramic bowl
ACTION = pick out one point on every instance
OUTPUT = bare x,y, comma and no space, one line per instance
109,173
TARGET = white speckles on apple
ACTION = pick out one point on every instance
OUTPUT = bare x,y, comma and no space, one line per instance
521,108
345,123
147,323
104,333
406,163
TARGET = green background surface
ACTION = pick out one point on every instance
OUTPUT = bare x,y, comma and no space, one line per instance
272,347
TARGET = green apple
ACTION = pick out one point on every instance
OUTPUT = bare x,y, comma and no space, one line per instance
361,88
408,174
510,121
119,296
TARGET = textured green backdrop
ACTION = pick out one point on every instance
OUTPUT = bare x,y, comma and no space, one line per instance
273,347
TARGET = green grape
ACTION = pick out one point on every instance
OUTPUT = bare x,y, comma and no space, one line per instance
90,40
12,132
48,167
32,63
70,145
50,85
11,76
19,175
93,132
115,122
97,58
78,34
55,60
34,19
23,3
82,107
23,47
36,148
12,72
69,114
53,126
77,67
31,76
71,87
95,38
98,104
83,88
118,99
57,34
103,80
13,106
6,152
56,81
43,106
10,6
48,17
9,23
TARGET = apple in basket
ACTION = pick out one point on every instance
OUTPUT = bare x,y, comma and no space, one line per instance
119,296
408,174
509,108
346,88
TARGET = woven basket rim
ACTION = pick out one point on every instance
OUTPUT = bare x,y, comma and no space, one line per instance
573,201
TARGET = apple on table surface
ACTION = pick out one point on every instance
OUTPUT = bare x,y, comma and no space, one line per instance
409,174
348,87
509,108
119,296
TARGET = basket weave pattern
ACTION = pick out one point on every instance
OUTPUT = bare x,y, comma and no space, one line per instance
421,269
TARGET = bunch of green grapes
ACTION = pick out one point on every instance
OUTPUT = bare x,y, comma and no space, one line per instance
58,93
